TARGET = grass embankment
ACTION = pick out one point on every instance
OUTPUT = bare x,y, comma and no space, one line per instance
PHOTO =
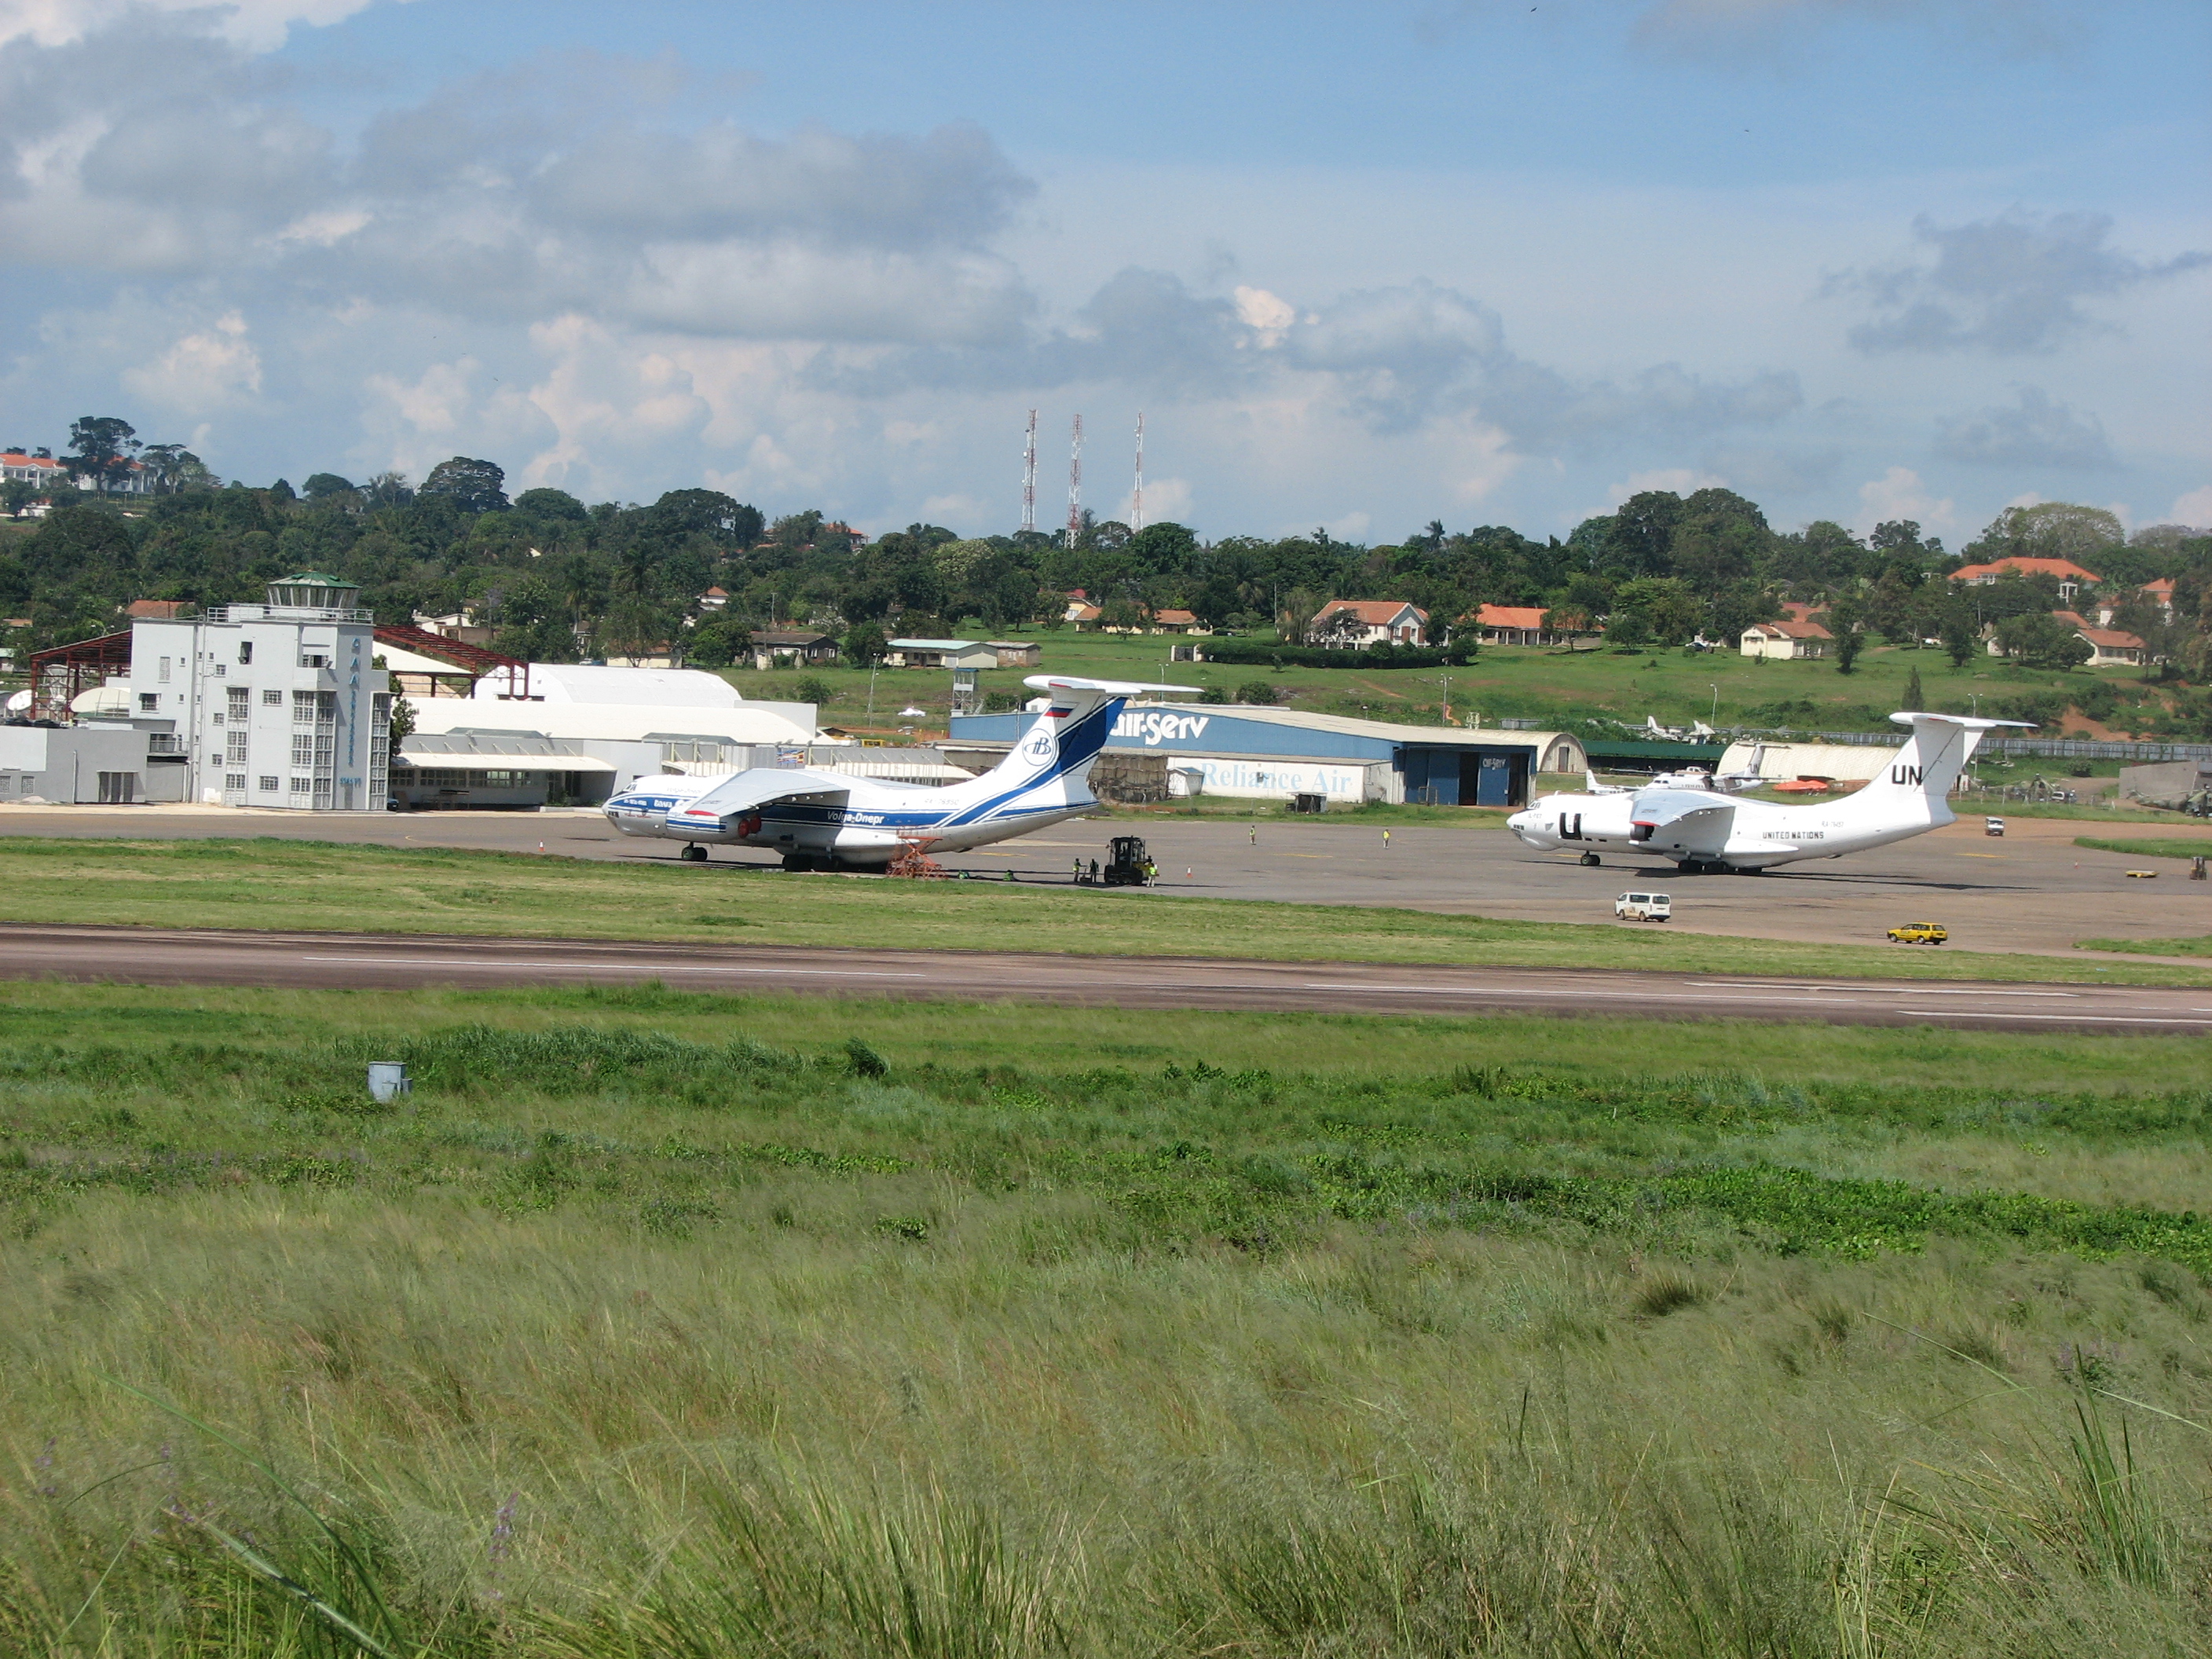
287,884
1504,681
2152,848
662,1323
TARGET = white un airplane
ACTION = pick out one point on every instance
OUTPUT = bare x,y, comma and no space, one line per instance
825,820
1706,831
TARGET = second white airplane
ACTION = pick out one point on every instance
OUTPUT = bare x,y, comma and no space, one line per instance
1704,831
825,820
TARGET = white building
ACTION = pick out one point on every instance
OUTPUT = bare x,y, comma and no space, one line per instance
1786,639
274,704
1356,623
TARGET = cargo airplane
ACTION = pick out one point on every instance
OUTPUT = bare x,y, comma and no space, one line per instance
1704,831
820,820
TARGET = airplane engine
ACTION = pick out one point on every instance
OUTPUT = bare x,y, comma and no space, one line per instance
856,846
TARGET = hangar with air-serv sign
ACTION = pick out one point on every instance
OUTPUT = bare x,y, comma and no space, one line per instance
1234,749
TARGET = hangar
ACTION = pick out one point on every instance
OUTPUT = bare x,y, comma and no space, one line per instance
1235,748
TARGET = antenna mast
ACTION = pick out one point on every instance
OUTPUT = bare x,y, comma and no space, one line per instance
1137,500
1075,485
1029,477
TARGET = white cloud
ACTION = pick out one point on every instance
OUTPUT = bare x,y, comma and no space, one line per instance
258,25
2194,507
1267,315
1166,500
1900,494
207,369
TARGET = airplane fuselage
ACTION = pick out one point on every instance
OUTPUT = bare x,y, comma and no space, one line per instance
873,825
1699,828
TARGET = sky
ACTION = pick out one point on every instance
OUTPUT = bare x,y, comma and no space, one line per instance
1359,266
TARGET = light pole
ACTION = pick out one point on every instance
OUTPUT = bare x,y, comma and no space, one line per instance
874,669
1714,720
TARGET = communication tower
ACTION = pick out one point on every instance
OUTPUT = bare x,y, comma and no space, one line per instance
1137,497
1028,477
1075,485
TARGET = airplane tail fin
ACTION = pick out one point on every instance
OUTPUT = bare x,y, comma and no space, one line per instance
1050,765
1915,785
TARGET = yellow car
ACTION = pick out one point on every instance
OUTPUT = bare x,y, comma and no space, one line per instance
1921,932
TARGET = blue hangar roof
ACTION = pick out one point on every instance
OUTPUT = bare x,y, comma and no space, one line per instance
1238,729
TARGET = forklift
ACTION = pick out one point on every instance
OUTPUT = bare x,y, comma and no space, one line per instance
1126,862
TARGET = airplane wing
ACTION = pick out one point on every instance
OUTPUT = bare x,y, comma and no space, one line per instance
1679,821
758,787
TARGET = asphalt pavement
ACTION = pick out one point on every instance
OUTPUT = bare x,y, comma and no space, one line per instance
2033,891
181,957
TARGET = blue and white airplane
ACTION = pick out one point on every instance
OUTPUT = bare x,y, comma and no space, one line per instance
826,821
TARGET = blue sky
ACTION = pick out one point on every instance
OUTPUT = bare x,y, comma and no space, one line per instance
1359,267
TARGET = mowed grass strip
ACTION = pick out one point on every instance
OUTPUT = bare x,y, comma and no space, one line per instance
293,885
2150,847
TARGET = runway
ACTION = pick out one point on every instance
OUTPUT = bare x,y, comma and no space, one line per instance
2032,891
352,960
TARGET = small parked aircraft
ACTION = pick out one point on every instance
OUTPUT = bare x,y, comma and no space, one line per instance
1702,830
821,820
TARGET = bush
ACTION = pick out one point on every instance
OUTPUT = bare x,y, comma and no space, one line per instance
1257,691
816,689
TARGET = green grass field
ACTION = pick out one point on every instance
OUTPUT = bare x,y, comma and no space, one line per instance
655,1323
1504,681
287,884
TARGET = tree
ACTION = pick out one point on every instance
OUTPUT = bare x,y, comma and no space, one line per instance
326,486
1844,618
554,504
1257,691
1915,699
719,643
473,486
1640,540
722,519
282,490
403,720
815,689
2039,640
863,644
17,495
2049,530
1664,609
101,447
170,468
1954,626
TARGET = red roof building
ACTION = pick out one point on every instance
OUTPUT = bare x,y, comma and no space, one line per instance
1358,623
2072,578
1521,624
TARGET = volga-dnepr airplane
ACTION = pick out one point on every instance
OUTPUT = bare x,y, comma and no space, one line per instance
824,820
1703,831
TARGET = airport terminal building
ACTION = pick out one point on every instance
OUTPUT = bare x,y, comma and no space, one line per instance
1231,749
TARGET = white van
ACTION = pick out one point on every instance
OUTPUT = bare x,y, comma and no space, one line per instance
1644,906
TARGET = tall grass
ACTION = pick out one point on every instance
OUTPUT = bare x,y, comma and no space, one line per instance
649,1333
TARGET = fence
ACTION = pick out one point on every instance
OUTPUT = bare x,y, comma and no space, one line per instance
2140,754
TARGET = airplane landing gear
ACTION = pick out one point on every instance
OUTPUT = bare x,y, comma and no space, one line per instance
693,853
1588,861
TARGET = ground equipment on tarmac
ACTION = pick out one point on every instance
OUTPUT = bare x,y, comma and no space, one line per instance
1644,906
1921,932
1993,826
1126,862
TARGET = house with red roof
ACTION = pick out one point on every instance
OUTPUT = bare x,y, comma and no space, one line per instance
1785,640
1523,625
2072,578
1355,622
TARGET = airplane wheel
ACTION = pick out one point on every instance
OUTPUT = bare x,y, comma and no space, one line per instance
1588,861
695,854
